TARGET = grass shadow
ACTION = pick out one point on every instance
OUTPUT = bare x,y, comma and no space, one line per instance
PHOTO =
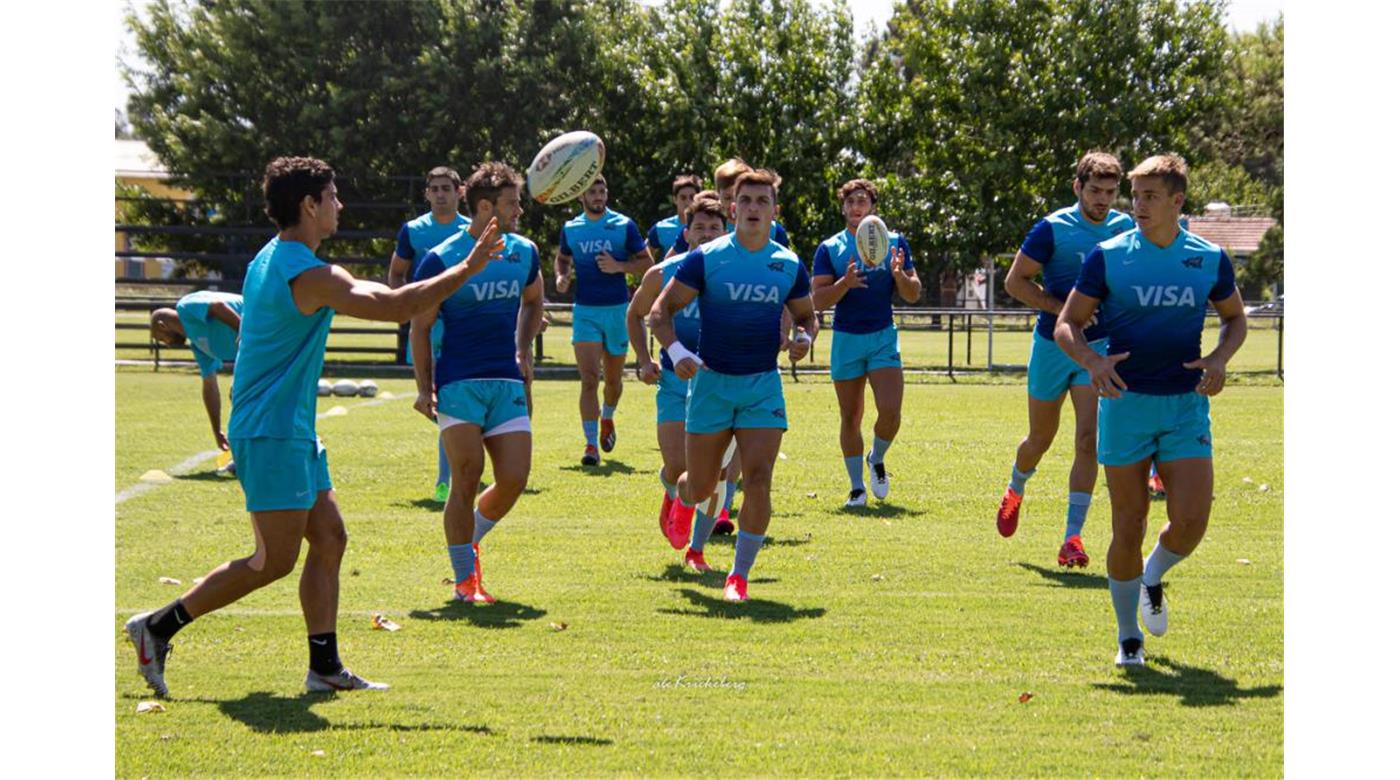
502,614
1197,686
604,469
881,510
552,739
205,476
678,573
756,610
1067,578
268,713
425,503
728,541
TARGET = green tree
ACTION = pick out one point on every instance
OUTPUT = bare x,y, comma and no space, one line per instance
974,114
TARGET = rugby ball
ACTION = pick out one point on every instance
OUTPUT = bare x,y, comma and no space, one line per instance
872,241
566,167
323,388
369,389
345,387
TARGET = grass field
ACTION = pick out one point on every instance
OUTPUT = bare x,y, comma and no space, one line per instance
920,347
897,640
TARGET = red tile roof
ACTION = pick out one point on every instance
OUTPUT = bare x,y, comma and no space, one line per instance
1237,235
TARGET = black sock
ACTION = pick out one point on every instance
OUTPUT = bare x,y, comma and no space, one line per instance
169,619
325,658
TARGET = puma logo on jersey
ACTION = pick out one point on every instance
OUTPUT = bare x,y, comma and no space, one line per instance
752,293
1193,262
1165,295
595,246
490,291
776,265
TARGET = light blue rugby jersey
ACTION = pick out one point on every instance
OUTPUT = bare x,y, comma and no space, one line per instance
478,338
663,234
687,320
742,295
1060,242
281,350
776,233
1153,304
867,309
419,235
583,239
211,341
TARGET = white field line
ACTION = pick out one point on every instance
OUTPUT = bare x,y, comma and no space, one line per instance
188,464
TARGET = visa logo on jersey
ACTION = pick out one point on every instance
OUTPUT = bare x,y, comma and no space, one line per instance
595,246
691,310
491,291
1165,295
752,293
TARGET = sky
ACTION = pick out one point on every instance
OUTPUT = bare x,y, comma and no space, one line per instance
1243,15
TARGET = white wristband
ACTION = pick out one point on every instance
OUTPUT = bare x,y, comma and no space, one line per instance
678,352
802,337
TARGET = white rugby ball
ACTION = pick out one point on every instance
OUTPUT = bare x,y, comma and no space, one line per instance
323,388
345,387
369,389
872,241
566,167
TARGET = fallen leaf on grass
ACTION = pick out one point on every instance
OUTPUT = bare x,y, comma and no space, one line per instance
811,495
197,580
876,577
782,456
558,626
1025,697
150,706
1264,488
1243,561
1248,481
381,623
448,581
319,753
169,581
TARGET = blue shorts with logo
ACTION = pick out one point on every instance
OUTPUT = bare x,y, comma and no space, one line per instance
670,397
721,402
1137,426
853,355
606,324
1052,372
280,474
494,405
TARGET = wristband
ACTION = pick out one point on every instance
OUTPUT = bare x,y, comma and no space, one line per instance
802,337
678,352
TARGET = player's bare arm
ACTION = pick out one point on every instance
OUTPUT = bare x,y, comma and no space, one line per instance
906,283
1069,334
1233,329
675,297
1021,285
527,323
637,310
563,266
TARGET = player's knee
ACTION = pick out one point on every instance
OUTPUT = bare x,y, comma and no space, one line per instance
512,484
276,565
589,377
1038,441
1085,443
758,477
330,541
889,419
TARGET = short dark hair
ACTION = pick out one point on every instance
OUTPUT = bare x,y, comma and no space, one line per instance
762,176
487,181
1170,168
287,181
859,184
444,172
710,206
686,180
1097,165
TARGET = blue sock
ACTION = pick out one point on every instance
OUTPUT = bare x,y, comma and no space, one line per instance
729,488
1078,511
746,550
444,468
700,532
1125,606
463,560
608,411
854,468
483,527
1159,563
878,449
1018,480
671,489
590,432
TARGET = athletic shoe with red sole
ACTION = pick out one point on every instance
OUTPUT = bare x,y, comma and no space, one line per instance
678,533
607,435
591,456
695,560
723,525
1155,485
1009,514
470,591
736,589
666,503
1072,553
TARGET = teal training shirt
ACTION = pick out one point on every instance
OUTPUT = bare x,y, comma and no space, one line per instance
212,341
